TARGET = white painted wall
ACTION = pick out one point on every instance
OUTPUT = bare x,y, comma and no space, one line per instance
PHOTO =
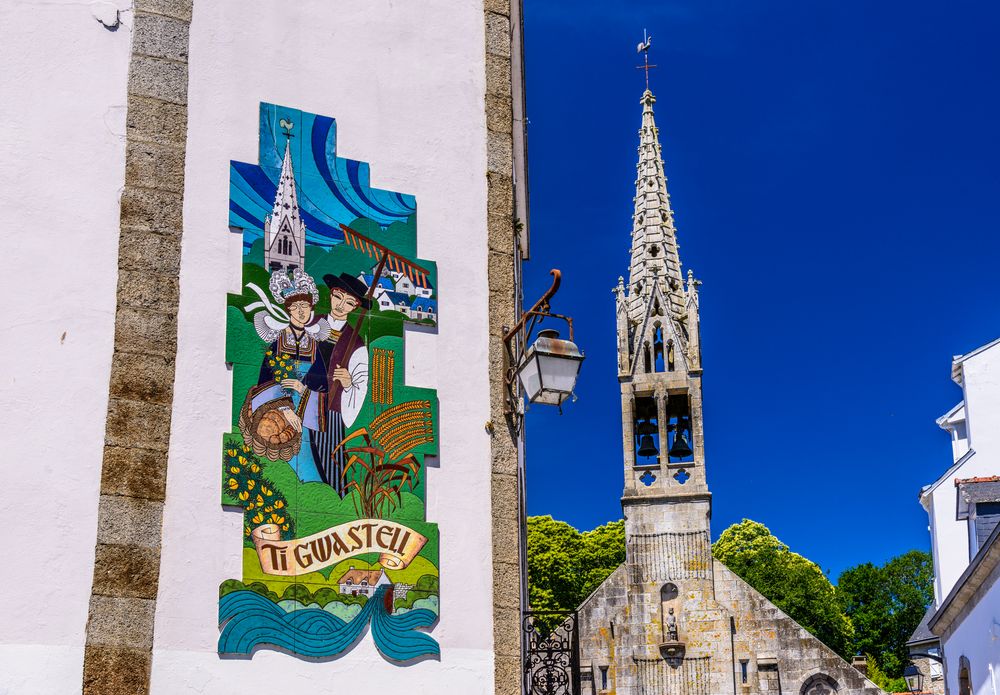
405,82
950,536
62,164
955,425
981,374
978,639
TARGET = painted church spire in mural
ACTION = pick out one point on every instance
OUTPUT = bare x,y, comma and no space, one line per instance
325,456
284,230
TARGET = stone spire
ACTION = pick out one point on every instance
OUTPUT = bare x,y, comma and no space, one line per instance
654,238
659,345
284,230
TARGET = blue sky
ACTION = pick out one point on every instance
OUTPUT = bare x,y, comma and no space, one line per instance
833,168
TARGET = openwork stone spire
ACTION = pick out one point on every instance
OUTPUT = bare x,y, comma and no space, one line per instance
654,238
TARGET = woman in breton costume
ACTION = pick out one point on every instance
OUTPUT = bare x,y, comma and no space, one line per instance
297,333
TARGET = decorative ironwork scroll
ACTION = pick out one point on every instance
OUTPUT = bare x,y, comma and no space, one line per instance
551,653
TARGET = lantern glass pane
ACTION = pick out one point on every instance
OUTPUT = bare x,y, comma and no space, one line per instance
531,380
558,372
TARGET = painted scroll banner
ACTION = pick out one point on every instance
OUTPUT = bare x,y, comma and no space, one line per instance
396,545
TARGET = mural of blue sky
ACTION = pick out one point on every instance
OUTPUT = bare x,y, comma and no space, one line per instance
332,191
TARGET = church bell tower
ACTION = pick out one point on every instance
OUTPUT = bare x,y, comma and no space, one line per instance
659,355
673,619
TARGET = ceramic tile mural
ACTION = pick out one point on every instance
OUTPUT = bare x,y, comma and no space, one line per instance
325,458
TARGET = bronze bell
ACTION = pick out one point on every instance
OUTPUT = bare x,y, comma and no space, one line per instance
646,446
680,448
646,427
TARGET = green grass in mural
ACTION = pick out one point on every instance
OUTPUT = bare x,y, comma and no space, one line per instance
315,507
252,572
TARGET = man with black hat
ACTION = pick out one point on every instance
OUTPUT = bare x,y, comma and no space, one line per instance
341,375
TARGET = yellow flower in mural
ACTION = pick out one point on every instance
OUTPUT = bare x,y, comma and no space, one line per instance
250,506
270,363
242,460
246,530
266,490
277,519
246,448
251,484
254,468
279,504
258,517
244,496
284,527
233,484
231,452
268,509
260,501
268,353
234,469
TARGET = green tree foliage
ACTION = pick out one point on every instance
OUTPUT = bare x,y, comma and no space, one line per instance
565,566
873,610
425,587
877,676
886,604
790,581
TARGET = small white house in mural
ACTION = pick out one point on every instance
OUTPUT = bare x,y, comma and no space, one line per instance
420,287
397,301
403,284
423,308
424,288
355,582
397,292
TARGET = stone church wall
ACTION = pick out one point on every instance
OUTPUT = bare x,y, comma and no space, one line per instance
764,634
597,615
782,657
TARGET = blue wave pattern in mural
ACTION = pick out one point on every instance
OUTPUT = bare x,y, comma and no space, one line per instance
250,620
332,190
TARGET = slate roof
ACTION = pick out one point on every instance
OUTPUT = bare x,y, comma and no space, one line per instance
923,632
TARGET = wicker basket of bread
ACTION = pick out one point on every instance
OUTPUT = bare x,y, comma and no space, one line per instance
268,431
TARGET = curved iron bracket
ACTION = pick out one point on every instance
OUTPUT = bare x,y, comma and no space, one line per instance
517,339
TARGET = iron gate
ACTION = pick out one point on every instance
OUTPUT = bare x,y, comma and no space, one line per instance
551,653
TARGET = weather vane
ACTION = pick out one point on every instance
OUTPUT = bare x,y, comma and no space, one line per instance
286,126
643,48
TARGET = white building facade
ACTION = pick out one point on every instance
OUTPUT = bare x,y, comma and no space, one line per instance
128,118
963,508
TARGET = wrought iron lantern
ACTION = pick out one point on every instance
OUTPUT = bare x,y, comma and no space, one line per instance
914,678
548,368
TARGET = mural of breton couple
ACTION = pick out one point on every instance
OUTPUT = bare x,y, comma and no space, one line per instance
314,375
326,454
